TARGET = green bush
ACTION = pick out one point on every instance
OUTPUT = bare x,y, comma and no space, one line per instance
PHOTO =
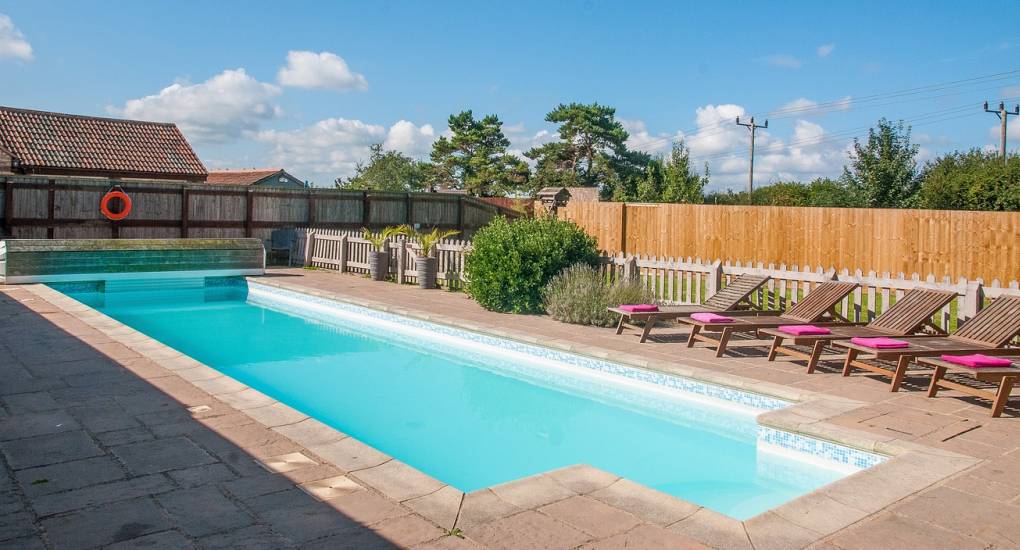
511,262
580,295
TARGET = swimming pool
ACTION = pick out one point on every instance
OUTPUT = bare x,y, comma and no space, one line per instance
474,410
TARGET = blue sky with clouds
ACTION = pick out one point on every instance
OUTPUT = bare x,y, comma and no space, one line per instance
309,85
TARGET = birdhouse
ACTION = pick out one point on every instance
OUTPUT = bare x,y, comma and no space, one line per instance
553,198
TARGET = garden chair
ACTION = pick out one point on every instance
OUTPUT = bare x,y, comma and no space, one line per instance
818,307
1002,377
734,299
909,315
988,332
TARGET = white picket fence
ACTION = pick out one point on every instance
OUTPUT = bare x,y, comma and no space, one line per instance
677,281
347,251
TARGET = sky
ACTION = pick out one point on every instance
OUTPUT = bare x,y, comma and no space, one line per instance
308,86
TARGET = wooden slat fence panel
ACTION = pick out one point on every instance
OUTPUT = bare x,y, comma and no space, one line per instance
944,243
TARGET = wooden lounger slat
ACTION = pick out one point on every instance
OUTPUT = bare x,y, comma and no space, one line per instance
820,304
989,330
819,301
908,315
995,325
733,298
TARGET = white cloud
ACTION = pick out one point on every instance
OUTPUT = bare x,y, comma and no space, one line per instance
12,42
641,140
226,106
783,60
407,138
333,147
324,70
826,49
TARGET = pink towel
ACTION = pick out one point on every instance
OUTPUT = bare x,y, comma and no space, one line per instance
804,330
880,343
706,317
977,361
639,308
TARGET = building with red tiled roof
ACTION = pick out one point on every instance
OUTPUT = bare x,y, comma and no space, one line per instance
56,144
273,177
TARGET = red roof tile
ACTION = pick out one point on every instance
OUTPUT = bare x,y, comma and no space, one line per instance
43,141
241,177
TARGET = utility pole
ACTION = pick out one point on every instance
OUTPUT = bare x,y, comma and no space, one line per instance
1003,114
751,127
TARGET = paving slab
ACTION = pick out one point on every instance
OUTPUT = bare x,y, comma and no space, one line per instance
203,511
484,506
97,495
106,525
646,537
332,487
69,475
398,481
644,502
165,540
591,516
161,455
49,449
407,531
532,492
440,507
528,531
350,454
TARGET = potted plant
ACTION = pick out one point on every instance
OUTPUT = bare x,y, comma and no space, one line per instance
379,259
425,262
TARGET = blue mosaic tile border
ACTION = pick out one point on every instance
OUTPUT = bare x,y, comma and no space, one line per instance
826,450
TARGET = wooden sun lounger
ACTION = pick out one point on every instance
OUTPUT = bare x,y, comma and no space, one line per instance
910,314
1004,377
987,333
734,299
818,307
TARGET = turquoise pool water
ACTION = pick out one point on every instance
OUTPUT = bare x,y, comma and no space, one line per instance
469,416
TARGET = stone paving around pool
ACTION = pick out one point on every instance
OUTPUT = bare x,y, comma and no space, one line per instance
111,439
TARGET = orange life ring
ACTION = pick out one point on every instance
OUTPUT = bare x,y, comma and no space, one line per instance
104,205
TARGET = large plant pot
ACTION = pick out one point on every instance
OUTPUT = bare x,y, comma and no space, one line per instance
379,265
426,268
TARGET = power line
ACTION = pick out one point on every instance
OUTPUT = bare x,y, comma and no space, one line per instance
845,104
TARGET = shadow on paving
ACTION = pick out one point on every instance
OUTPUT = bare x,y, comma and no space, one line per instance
95,454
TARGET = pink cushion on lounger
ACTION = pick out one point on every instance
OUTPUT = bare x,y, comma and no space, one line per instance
639,308
804,330
977,361
880,342
706,317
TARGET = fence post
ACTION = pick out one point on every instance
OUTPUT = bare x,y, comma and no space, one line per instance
343,254
401,253
973,300
630,269
309,246
714,280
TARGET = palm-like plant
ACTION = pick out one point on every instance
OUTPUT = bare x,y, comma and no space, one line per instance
428,241
378,239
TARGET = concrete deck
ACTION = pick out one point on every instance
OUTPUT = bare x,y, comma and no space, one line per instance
110,438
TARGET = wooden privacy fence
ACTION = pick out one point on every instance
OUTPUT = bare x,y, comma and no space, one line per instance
946,243
68,208
680,281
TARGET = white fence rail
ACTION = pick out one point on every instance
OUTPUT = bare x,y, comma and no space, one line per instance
676,281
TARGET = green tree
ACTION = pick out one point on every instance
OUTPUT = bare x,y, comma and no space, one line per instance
972,180
820,192
386,171
883,170
591,152
681,182
475,158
